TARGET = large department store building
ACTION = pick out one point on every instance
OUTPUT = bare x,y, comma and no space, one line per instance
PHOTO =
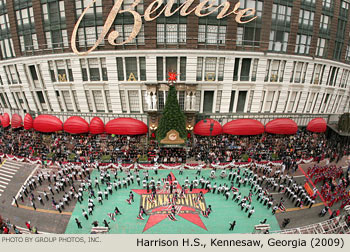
291,61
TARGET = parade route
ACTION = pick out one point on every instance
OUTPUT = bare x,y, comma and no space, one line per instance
224,212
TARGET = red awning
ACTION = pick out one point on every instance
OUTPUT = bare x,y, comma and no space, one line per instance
244,127
282,126
47,123
317,125
16,121
76,125
202,128
126,126
1,118
28,122
5,120
97,126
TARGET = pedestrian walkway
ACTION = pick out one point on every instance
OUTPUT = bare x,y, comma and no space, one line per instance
8,170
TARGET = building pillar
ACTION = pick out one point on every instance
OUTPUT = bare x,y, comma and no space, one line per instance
266,27
13,28
39,25
334,28
294,25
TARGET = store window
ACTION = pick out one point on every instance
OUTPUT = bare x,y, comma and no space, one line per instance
26,26
91,25
6,43
54,23
94,69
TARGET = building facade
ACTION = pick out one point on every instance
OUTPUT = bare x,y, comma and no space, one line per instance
291,61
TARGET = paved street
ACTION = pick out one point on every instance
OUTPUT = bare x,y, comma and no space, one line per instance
14,174
305,216
45,218
7,172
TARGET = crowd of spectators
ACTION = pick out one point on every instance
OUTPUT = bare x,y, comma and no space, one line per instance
327,173
303,145
6,227
62,146
335,183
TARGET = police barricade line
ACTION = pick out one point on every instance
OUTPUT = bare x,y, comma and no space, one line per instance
175,166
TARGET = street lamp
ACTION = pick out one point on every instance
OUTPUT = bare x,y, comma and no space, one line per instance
189,127
210,133
153,127
211,128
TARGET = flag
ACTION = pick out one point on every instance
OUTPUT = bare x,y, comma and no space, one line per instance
150,198
282,207
140,216
171,217
234,189
205,213
112,216
250,198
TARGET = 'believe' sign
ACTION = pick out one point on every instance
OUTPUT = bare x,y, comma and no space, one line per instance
154,8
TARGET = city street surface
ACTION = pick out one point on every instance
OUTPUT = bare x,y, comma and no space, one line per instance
14,174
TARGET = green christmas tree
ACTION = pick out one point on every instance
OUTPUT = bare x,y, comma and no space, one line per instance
172,118
344,122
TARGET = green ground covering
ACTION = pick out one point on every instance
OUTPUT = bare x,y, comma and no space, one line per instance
127,223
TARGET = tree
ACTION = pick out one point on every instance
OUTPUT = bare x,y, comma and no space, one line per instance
344,123
172,117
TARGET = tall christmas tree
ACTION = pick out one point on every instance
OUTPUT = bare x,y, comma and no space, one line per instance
173,117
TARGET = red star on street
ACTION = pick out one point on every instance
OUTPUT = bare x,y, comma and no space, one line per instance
193,217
